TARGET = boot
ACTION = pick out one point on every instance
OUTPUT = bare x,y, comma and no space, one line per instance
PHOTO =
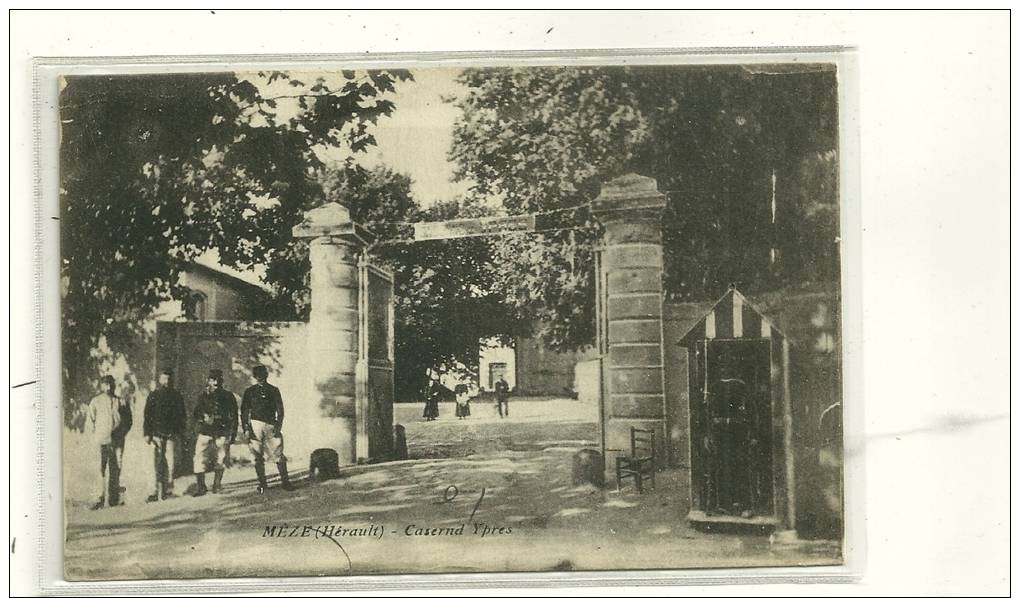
217,484
168,490
154,497
200,489
260,472
284,480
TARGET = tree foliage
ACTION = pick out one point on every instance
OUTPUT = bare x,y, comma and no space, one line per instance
156,170
545,138
446,300
442,289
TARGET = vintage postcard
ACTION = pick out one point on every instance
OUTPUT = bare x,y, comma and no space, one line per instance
418,319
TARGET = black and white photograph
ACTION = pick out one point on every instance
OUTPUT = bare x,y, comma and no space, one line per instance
632,302
440,320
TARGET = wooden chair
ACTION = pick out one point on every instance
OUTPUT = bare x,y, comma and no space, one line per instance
640,465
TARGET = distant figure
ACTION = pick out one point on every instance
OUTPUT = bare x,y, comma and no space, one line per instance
463,401
216,419
262,419
432,395
502,397
165,418
103,418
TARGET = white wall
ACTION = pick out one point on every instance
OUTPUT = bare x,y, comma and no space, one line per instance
496,354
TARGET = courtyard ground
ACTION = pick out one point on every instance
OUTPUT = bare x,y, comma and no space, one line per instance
477,495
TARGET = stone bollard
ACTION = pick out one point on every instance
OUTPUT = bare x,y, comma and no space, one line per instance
324,464
399,443
589,468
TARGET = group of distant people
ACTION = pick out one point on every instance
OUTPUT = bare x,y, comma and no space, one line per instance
216,415
463,397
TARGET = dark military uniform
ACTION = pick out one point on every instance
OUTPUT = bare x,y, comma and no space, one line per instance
503,398
216,420
262,419
165,418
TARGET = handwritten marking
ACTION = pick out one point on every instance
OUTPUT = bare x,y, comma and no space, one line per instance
350,565
446,494
452,492
477,504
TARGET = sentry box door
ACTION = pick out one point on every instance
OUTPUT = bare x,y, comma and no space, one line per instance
736,428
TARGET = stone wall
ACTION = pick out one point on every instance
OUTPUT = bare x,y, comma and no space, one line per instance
545,372
191,349
130,357
588,380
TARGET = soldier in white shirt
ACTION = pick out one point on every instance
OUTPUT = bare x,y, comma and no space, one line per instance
103,419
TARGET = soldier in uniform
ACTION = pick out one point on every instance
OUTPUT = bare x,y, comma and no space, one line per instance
119,438
216,421
103,418
165,418
262,420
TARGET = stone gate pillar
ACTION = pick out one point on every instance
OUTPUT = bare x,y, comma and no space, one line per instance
630,209
336,246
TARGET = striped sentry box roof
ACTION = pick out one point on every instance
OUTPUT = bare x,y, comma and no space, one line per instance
732,317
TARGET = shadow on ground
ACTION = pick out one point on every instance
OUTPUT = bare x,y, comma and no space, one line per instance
506,482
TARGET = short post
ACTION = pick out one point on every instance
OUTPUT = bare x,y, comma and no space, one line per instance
399,443
588,468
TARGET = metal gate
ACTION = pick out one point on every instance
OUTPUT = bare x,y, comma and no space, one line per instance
374,375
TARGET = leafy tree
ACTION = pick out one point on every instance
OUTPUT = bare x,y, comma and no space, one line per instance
374,197
546,138
447,300
442,289
444,303
158,169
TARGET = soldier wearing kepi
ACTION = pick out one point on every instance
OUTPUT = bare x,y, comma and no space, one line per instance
262,419
216,421
165,419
